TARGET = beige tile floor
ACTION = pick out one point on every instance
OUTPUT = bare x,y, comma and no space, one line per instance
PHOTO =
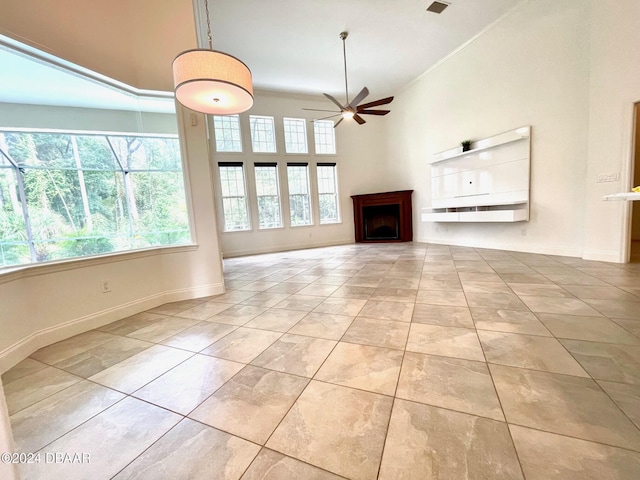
388,361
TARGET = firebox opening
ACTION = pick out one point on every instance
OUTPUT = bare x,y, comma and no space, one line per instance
381,222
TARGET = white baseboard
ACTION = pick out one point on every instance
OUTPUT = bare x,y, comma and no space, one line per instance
20,350
285,248
542,249
599,256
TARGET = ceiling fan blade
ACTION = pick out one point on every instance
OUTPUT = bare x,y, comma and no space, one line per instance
382,101
324,118
359,119
338,122
373,112
319,110
334,101
361,96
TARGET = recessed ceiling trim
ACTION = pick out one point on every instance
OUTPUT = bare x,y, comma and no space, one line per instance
50,60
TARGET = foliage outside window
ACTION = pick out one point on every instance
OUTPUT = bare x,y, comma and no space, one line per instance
328,193
65,195
299,200
263,135
324,136
295,135
227,133
268,195
234,197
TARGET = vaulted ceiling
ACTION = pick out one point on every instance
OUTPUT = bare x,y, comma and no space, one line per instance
290,45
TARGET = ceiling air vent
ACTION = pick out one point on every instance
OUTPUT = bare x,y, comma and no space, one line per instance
437,7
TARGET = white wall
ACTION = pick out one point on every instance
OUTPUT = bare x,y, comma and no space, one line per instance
361,165
530,68
42,304
615,86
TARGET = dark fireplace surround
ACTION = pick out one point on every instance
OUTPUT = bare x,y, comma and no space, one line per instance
383,217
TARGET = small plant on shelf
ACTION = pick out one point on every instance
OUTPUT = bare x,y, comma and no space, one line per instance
466,145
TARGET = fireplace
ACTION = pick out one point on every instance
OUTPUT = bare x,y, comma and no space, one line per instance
383,217
381,222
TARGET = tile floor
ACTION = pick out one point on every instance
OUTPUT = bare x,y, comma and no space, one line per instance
394,361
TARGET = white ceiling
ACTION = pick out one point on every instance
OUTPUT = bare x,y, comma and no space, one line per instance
292,46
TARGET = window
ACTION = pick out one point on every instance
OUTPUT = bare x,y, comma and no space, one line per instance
227,133
263,136
299,202
328,193
295,135
324,136
65,195
234,198
267,192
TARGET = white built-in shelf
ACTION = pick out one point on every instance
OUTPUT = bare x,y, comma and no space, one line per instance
488,183
628,196
484,144
480,216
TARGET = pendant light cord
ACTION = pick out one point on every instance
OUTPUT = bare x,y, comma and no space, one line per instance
206,9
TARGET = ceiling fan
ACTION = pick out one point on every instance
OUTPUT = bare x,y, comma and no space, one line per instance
352,109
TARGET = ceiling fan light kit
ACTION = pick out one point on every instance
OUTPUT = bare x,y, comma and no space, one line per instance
212,82
352,109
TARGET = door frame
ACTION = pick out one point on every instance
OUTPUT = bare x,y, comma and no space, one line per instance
633,163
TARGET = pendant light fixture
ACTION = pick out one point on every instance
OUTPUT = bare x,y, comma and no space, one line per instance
212,82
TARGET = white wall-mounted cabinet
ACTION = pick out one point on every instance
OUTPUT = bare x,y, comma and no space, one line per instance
628,196
489,183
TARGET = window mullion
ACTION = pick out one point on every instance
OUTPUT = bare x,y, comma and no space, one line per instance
25,212
115,154
126,184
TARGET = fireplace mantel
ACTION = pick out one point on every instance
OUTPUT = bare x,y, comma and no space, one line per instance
383,217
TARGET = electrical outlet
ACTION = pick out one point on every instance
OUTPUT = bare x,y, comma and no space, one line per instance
523,232
608,177
105,286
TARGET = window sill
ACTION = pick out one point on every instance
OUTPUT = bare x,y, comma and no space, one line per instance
268,229
22,271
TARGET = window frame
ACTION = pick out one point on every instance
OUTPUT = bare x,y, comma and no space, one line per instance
273,133
223,197
215,133
335,193
90,230
317,135
309,208
278,196
304,135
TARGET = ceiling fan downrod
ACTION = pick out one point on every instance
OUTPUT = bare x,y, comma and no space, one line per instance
343,37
